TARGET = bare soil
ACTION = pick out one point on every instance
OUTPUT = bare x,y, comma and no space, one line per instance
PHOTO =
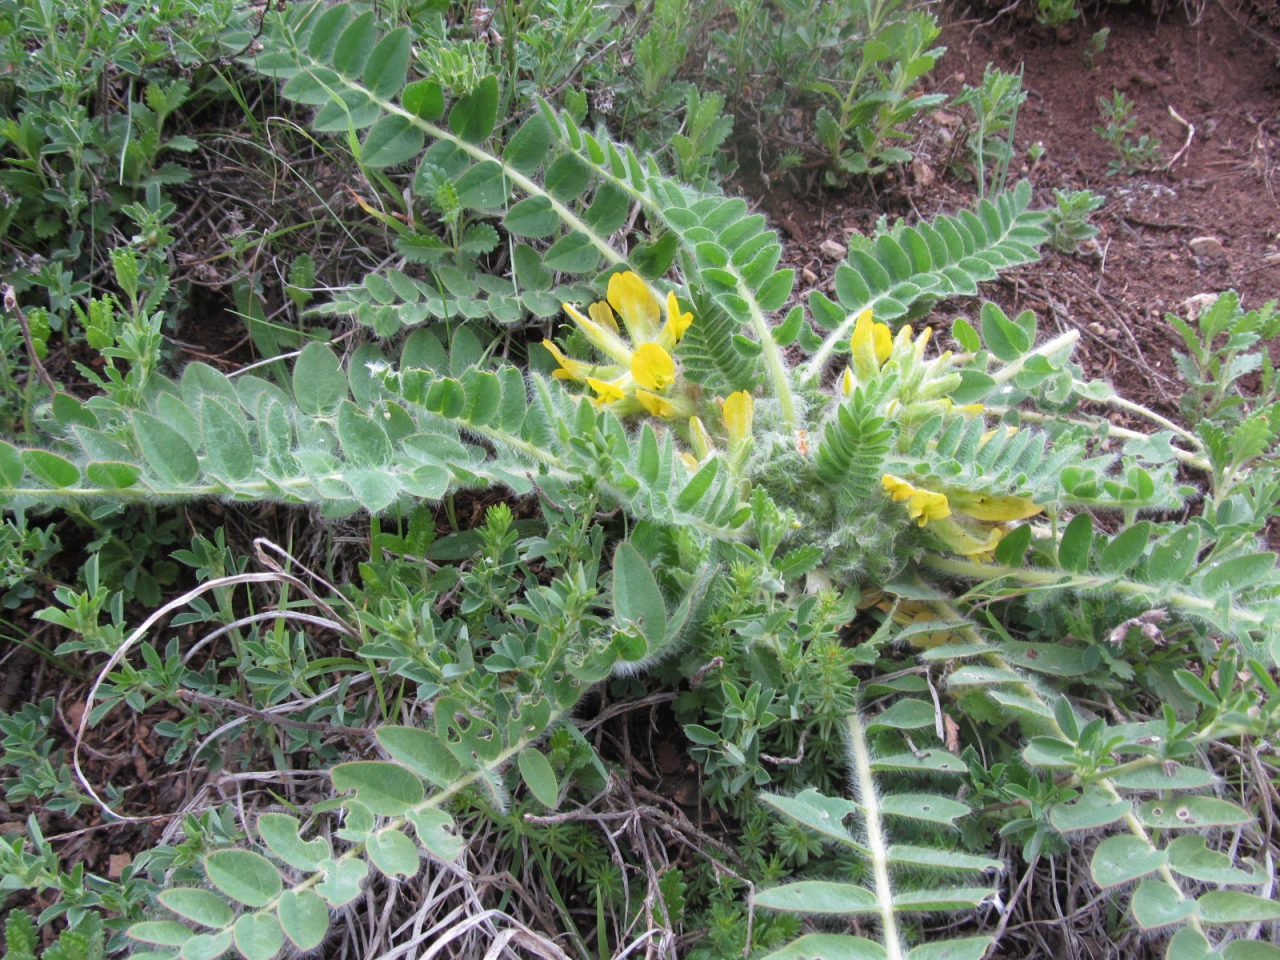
1208,89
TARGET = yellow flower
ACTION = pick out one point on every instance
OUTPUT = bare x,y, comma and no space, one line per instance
739,412
922,505
870,345
656,405
609,392
642,374
603,339
601,314
575,369
975,541
993,508
653,367
677,323
636,305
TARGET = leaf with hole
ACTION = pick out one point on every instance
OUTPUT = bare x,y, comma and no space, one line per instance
1192,813
280,832
341,883
387,789
435,830
393,853
1156,904
1190,856
926,807
1122,859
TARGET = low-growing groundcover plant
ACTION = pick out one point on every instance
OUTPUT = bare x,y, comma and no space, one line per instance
905,582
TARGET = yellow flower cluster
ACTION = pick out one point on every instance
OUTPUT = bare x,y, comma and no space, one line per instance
642,374
922,388
968,524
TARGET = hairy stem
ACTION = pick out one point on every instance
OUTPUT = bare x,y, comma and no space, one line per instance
877,849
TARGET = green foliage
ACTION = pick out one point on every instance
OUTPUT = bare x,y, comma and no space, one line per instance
1135,155
770,543
870,99
1069,225
1096,45
995,116
1056,13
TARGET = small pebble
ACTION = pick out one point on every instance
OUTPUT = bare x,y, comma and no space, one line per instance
833,251
808,276
1208,247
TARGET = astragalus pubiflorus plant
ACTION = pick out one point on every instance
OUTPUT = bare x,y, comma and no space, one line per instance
720,477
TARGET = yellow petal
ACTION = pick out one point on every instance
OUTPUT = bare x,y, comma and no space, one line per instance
609,392
870,345
569,369
739,411
882,340
635,303
653,367
846,382
897,488
925,505
993,508
676,325
922,505
975,541
656,405
604,340
601,314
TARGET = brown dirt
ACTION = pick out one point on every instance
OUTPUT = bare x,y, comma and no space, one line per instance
1217,73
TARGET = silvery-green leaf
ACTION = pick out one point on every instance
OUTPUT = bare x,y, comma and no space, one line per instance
199,906
1123,858
243,875
393,853
435,832
304,918
1156,904
258,936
